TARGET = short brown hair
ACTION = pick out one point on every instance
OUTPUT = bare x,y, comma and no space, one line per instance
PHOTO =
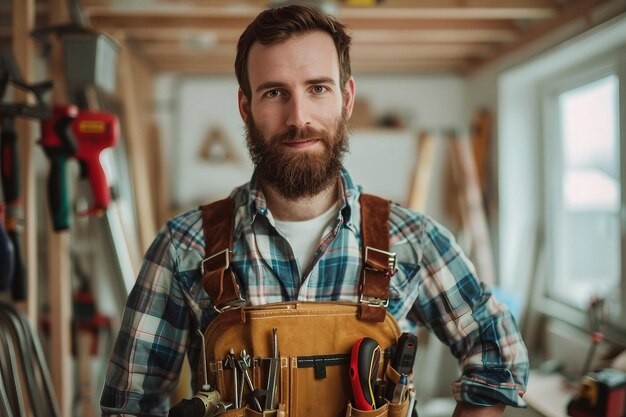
279,24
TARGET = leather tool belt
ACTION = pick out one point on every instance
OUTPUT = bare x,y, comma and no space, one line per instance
301,348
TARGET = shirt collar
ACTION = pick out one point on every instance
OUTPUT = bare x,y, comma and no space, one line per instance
256,203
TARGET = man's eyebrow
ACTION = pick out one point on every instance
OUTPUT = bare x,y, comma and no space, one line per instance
269,85
323,80
278,84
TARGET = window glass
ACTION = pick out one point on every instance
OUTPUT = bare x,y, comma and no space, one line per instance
586,216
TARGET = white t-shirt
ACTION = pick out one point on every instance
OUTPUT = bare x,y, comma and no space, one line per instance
305,236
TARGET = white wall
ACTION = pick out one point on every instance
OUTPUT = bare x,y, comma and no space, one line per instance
188,107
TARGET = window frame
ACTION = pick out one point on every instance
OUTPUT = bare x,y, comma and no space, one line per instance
613,63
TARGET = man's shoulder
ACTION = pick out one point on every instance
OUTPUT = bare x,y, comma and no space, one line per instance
400,213
184,224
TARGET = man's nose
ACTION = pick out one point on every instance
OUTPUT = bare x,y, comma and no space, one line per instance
298,112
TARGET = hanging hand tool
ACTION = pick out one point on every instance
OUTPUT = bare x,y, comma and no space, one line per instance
403,360
7,266
11,186
272,375
10,170
59,144
363,372
95,132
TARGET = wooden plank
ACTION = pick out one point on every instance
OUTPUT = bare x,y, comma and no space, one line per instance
59,264
420,184
132,110
472,208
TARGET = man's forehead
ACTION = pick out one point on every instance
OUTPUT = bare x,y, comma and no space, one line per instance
307,56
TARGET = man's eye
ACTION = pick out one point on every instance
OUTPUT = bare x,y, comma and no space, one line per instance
273,93
318,89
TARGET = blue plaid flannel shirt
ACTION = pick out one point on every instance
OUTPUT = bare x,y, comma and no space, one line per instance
435,287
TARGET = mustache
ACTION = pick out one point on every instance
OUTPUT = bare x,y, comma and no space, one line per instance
295,134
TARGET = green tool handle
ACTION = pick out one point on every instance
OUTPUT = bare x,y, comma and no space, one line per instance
58,193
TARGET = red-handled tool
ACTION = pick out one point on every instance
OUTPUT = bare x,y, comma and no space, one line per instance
95,132
363,372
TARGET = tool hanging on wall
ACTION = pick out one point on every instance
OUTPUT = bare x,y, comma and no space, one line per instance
22,361
7,261
10,170
82,135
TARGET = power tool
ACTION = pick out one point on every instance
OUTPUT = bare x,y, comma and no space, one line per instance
403,360
95,132
59,144
601,394
83,135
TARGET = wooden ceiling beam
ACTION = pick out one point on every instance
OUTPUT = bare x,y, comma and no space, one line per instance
387,4
581,9
112,21
443,67
373,51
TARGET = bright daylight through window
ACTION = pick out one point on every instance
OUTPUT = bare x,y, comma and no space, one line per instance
586,211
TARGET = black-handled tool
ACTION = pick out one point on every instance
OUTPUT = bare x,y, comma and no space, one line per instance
206,402
403,359
363,372
6,255
272,375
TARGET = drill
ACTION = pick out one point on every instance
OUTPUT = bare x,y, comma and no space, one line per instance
95,132
82,135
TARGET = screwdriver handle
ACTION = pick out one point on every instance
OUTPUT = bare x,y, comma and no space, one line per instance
363,372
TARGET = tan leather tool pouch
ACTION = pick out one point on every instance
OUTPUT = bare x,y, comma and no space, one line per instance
315,340
386,410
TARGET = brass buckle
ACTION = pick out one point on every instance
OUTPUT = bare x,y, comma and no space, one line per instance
392,259
374,301
225,252
230,306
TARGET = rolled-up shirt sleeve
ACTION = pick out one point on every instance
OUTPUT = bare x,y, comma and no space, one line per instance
151,344
480,331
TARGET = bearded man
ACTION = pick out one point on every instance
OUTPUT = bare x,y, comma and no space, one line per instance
297,235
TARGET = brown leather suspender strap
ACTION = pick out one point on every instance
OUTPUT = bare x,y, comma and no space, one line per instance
220,283
379,264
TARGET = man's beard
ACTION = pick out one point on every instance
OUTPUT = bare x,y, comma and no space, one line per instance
297,175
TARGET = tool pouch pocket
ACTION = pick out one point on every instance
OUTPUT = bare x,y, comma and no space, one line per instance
247,412
386,410
314,345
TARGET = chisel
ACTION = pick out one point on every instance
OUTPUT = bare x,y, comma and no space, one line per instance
272,375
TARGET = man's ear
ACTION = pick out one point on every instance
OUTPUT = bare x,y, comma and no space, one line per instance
348,96
244,106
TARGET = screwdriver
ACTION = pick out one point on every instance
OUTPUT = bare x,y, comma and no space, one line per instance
363,372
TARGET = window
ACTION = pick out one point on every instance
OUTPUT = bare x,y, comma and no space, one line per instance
583,188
